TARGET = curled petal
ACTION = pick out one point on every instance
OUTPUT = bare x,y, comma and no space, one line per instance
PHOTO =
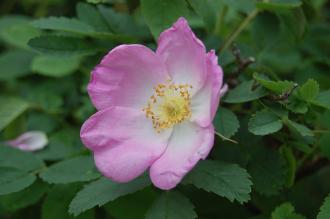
29,141
183,54
126,77
205,103
188,144
124,142
224,90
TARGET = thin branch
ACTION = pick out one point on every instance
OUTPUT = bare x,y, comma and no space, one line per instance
239,29
242,64
220,19
225,138
322,131
285,95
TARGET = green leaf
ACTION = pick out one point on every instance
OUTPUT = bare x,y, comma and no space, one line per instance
14,30
323,99
47,95
71,25
277,109
207,10
9,67
290,158
264,123
137,203
14,180
24,198
324,119
301,146
57,202
261,216
285,211
8,21
55,66
318,4
297,105
122,23
102,191
10,109
244,93
278,4
324,145
277,87
265,30
78,169
15,158
275,58
62,45
241,5
309,90
62,144
18,35
96,1
226,180
15,128
295,21
171,205
90,15
226,122
268,170
325,209
41,121
301,129
160,15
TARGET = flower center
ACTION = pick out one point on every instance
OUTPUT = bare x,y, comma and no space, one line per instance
169,105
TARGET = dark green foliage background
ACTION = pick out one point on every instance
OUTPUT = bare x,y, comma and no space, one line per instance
272,148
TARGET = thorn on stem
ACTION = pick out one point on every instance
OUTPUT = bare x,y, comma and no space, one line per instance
242,64
285,95
255,85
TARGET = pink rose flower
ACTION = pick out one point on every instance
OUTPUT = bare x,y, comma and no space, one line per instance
155,109
29,141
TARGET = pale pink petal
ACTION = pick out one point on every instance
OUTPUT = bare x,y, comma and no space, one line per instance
188,144
126,77
224,90
183,54
124,142
205,103
30,141
127,160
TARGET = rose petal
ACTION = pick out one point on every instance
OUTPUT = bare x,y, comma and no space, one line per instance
124,142
224,90
30,141
183,54
126,77
205,103
188,144
127,160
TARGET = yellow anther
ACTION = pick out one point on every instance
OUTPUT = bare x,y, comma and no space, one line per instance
169,105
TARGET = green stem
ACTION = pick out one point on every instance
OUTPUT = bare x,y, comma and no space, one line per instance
321,131
301,161
220,21
225,138
239,29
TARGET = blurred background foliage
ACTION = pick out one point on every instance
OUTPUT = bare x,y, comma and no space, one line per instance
277,109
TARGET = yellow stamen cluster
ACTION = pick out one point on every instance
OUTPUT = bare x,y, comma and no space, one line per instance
169,105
